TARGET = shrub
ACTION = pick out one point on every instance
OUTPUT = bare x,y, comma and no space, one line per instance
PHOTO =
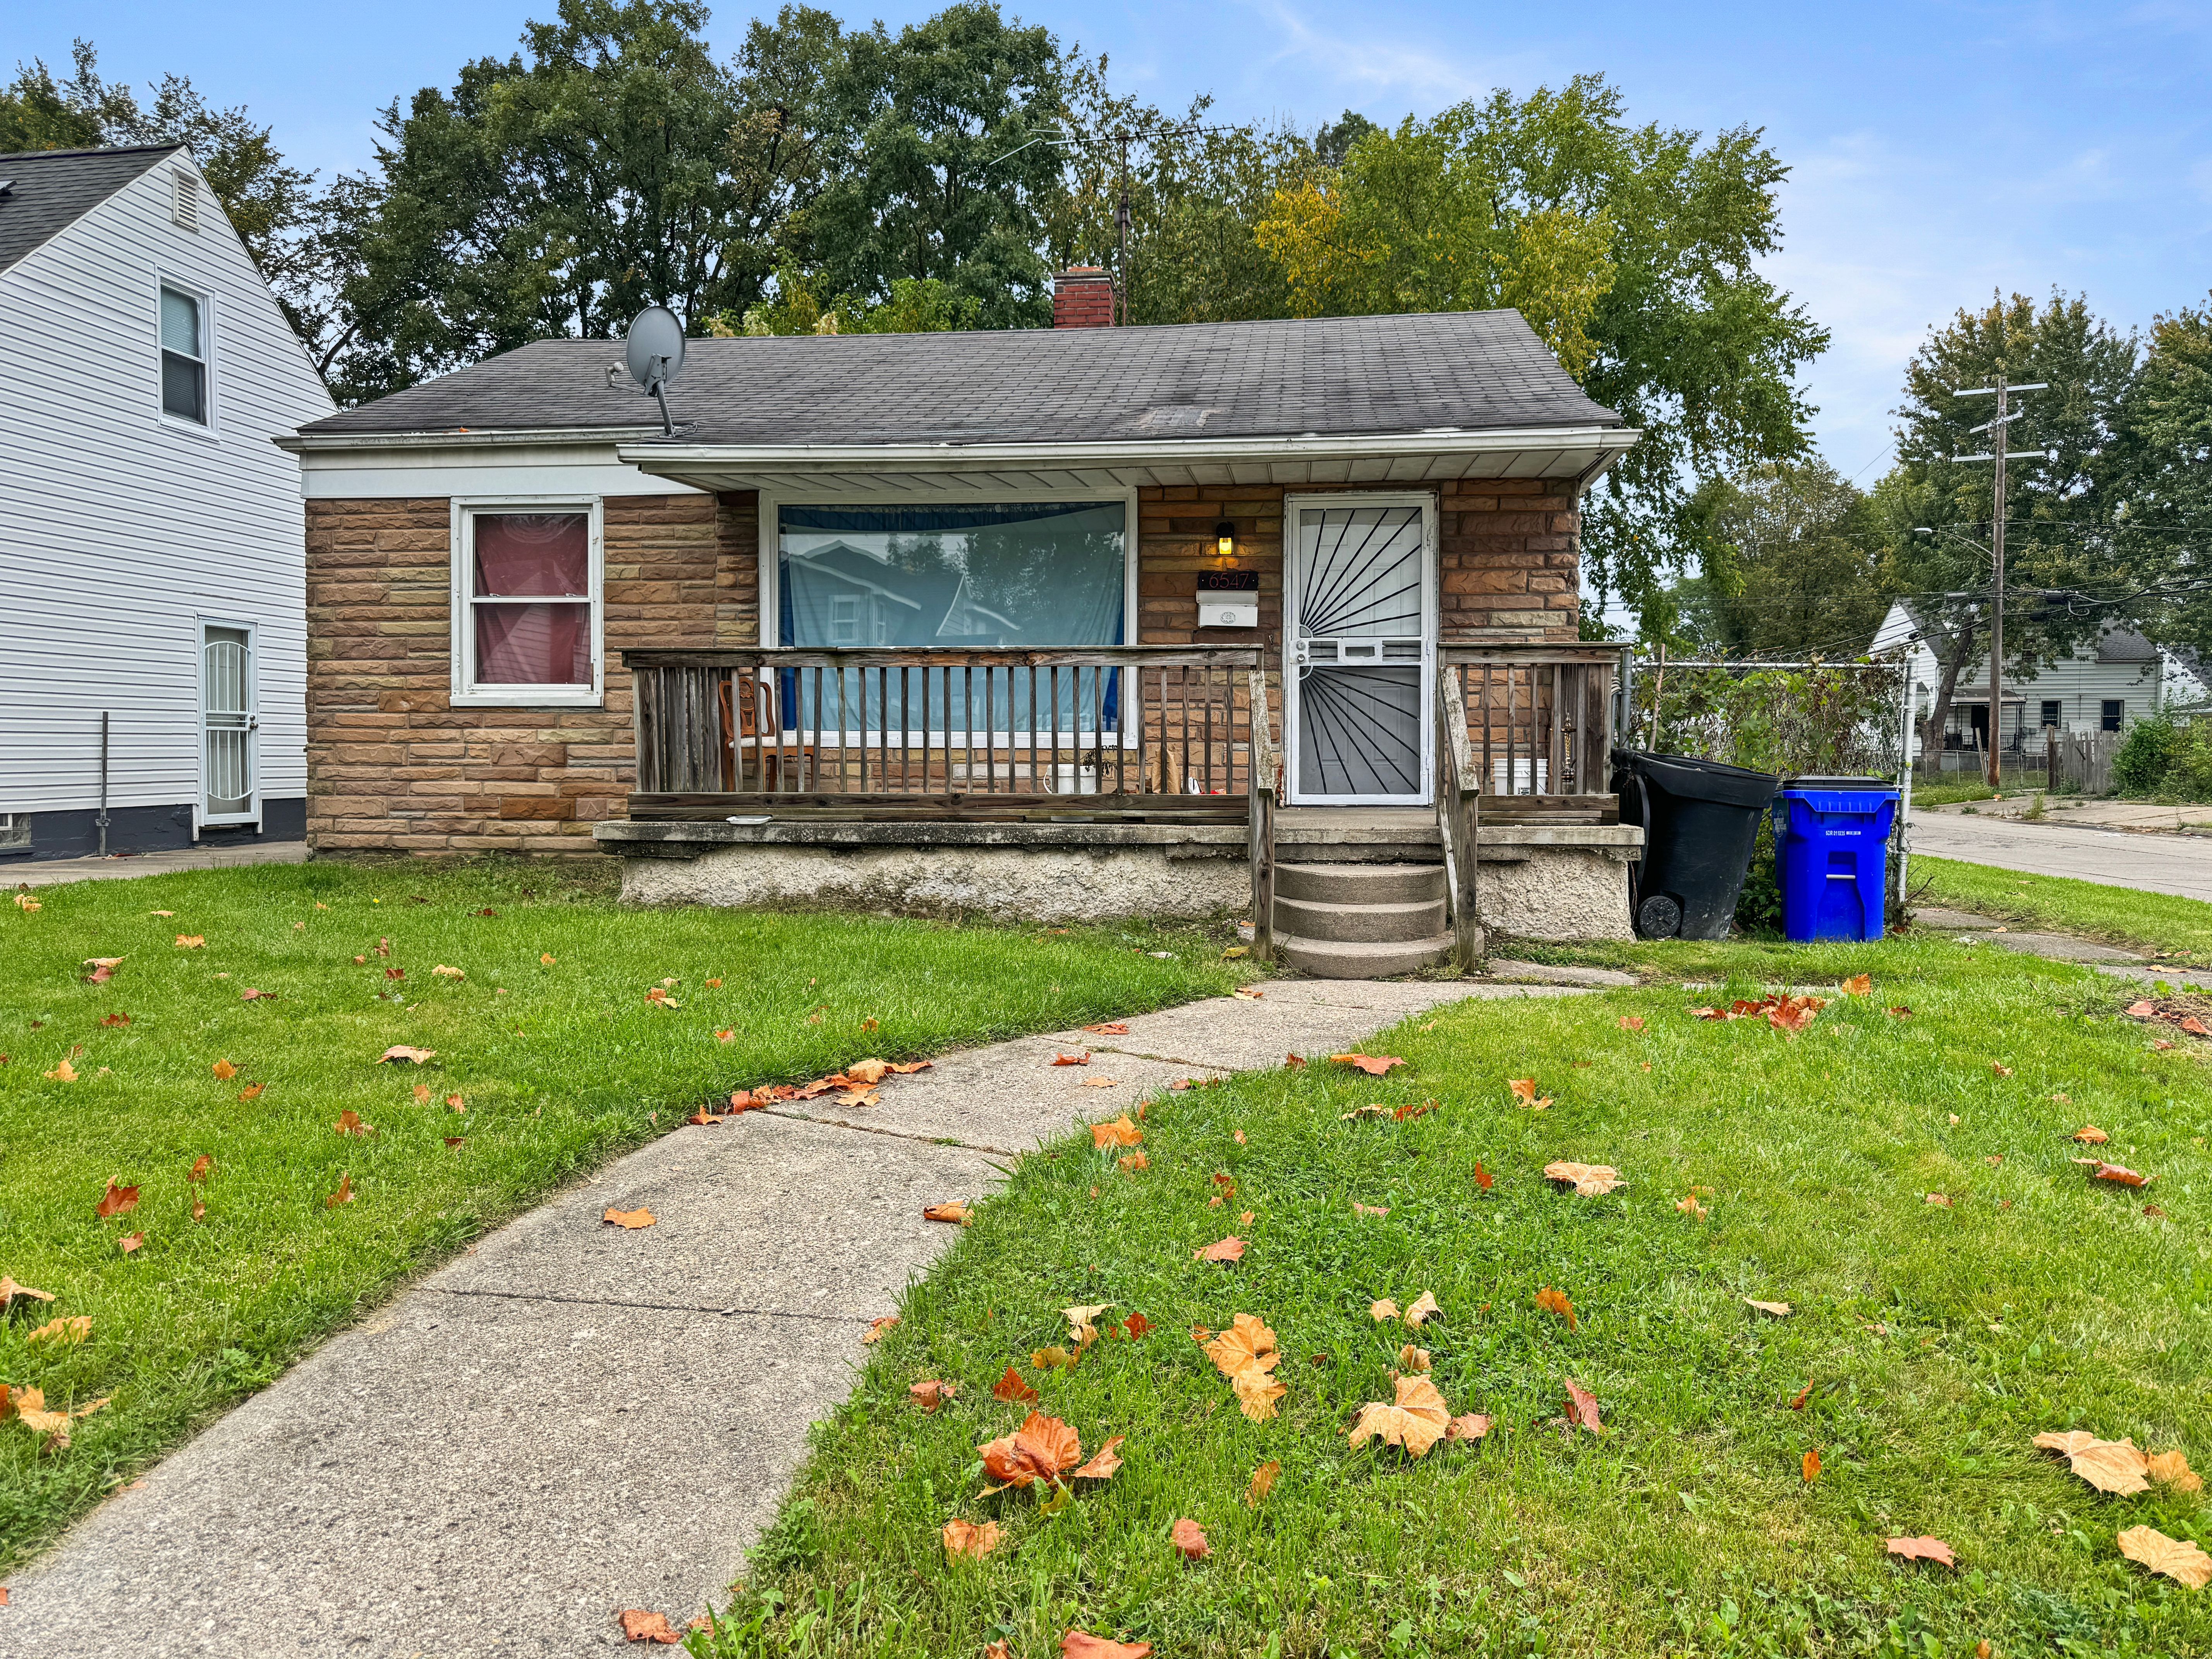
2140,766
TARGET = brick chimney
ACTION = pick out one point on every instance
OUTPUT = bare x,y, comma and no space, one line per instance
1083,297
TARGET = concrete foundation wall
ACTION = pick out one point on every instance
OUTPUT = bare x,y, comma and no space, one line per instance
1553,893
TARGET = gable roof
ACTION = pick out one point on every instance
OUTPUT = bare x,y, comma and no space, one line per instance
1457,371
49,190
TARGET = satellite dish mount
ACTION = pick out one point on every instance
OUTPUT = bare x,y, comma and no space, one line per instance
654,352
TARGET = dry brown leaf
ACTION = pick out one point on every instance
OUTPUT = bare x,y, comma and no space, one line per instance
877,1326
1921,1549
1688,1205
955,1213
1136,1325
2119,1175
2182,1562
932,1394
1190,1540
1373,1065
1588,1180
349,1123
1132,1161
2090,1135
1246,1353
1375,1209
640,1625
1779,1310
1415,1419
1263,1482
1411,1359
1012,1390
63,1072
2172,1469
1082,1058
1120,1133
631,1219
190,941
1293,1062
963,1538
1379,1311
116,1201
1101,1083
1941,1201
1582,1408
1110,1028
1041,1450
1553,1301
130,1242
1632,1022
2112,1466
1228,1249
1858,985
252,1092
1998,1068
1082,1322
1082,1645
401,1051
1103,1462
1809,1466
1423,1310
9,1289
224,1070
1470,1425
1524,1091
1483,1178
62,1332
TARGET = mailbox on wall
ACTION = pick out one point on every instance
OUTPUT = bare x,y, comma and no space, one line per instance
1228,599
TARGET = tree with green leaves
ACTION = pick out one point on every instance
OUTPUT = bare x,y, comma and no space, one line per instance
1633,251
1790,565
2161,482
2066,576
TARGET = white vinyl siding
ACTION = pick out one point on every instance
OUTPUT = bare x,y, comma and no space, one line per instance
122,528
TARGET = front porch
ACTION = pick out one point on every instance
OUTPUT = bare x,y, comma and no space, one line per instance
1077,785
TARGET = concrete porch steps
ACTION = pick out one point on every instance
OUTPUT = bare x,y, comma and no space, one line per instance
1361,921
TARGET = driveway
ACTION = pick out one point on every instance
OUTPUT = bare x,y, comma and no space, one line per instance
2181,865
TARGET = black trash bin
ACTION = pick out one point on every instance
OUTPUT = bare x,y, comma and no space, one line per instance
1700,820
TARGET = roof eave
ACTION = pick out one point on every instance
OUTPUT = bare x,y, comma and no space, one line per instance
449,437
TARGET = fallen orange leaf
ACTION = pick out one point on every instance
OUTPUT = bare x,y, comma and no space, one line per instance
1263,1482
1810,1465
252,1092
224,1069
1071,1060
62,1332
349,1123
344,1195
956,1212
1553,1301
1923,1549
1582,1408
1524,1091
1376,1211
1228,1249
1688,1205
1190,1540
1110,1028
1858,985
116,1201
964,1538
1385,1308
130,1242
1588,1180
1411,1359
1136,1324
1120,1133
1103,1462
930,1394
2090,1135
1471,1426
1082,1645
2180,1561
640,1625
2111,1466
630,1219
2172,1469
877,1326
401,1051
1483,1178
1415,1419
1373,1065
1012,1390
1423,1310
1134,1161
1041,1450
1777,1309
1246,1353
1632,1022
9,1289
63,1072
190,941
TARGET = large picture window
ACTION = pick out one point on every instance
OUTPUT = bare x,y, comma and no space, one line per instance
989,575
528,622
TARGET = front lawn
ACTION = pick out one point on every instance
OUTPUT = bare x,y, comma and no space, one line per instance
545,1037
2180,929
1926,1344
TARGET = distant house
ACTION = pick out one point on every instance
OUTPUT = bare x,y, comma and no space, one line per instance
152,575
2106,686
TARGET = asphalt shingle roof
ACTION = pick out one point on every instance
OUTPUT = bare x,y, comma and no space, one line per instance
49,190
1329,376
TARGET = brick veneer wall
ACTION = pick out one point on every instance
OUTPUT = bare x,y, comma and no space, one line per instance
392,766
1509,558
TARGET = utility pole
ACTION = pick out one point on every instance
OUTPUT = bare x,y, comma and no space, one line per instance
2001,392
1121,227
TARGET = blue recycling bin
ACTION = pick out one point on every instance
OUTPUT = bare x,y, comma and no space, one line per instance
1832,855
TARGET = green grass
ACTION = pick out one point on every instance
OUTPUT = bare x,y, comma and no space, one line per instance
559,1066
1950,794
1936,1343
2180,928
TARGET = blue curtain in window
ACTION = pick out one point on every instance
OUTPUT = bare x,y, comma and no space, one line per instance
997,575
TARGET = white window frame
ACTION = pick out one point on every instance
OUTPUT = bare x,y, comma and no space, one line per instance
461,552
206,300
769,533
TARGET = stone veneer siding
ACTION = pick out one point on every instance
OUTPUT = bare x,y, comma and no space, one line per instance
394,767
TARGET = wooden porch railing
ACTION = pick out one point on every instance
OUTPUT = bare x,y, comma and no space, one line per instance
1116,731
1539,720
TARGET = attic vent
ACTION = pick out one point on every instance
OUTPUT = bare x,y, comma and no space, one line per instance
6,185
184,200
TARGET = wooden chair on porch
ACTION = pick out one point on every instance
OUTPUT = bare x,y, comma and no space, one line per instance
749,715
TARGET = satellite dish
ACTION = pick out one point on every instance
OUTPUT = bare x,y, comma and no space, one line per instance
654,352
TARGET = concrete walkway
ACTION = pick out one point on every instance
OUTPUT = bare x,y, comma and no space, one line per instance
2090,813
572,1420
2180,865
2110,959
51,872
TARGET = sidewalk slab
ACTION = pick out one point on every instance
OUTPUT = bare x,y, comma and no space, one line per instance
51,872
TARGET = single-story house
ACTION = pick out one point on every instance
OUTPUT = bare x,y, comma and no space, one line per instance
153,685
1043,622
2104,686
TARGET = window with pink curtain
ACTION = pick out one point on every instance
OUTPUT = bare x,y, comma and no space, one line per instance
531,575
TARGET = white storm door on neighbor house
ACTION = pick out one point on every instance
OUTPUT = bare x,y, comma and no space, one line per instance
1359,631
230,768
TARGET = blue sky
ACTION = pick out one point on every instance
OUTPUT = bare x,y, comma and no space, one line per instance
1939,150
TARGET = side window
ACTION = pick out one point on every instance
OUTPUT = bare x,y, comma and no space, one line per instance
184,357
2115,708
529,623
2051,711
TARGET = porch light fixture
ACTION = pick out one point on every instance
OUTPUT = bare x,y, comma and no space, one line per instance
1225,542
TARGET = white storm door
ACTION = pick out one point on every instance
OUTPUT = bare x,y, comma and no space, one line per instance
230,770
1359,625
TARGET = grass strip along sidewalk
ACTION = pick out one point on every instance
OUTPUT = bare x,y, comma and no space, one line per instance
1847,1278
239,1035
2177,930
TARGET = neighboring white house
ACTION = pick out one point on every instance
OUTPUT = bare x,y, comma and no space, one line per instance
2103,688
150,532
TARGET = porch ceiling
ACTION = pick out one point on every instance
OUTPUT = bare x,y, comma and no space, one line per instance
1573,455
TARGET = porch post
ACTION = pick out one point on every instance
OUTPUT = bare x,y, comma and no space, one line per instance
1459,816
1265,764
